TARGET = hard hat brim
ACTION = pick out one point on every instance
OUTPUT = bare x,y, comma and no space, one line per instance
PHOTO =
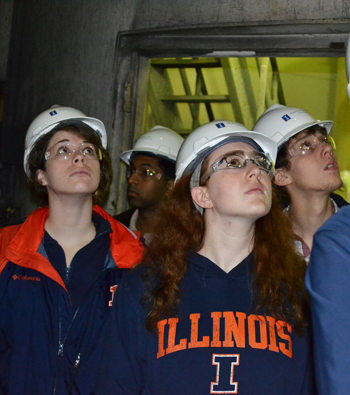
325,124
126,155
266,144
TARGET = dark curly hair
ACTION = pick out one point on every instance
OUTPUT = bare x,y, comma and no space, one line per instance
36,160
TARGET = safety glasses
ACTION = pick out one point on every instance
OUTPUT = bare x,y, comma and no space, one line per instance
146,173
238,160
308,144
67,150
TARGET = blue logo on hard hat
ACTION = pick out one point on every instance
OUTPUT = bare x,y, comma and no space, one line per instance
286,118
52,113
220,125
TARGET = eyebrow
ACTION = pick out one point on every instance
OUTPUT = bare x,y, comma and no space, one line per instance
143,164
298,139
236,152
306,134
69,141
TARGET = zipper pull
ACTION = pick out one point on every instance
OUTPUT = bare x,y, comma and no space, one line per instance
77,361
60,350
66,280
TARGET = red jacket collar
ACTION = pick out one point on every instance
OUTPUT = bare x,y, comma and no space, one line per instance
125,245
128,248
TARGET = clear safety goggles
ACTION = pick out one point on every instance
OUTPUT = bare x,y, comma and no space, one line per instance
309,144
67,150
238,160
146,173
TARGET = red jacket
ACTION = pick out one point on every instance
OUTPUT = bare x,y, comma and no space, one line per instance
40,340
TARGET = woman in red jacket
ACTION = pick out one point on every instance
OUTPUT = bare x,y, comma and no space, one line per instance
61,267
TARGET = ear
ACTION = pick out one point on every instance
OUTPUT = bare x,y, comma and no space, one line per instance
282,178
40,175
200,196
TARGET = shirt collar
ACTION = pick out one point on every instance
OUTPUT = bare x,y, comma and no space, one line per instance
335,207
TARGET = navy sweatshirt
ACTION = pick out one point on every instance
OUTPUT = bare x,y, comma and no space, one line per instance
216,345
327,281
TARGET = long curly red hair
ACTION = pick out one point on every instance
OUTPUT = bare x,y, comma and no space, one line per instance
279,270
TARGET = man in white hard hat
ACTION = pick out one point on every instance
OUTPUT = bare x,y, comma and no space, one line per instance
306,169
150,174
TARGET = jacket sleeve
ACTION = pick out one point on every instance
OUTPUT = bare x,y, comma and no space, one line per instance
328,283
6,236
120,369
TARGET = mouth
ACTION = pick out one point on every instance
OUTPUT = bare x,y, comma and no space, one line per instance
80,173
255,190
132,193
331,166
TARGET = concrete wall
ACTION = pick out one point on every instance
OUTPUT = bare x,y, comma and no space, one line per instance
63,51
185,13
6,8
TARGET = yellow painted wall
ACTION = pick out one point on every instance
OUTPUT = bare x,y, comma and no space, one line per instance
318,85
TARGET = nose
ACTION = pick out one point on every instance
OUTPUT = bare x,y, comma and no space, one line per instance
326,149
78,157
133,179
253,169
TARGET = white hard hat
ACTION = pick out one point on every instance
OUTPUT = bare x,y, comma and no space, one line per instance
50,118
159,141
281,123
203,140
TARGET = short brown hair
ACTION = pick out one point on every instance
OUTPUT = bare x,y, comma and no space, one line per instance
36,160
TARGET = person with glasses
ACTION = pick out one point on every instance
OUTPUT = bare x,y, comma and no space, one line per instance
150,175
59,269
307,172
217,305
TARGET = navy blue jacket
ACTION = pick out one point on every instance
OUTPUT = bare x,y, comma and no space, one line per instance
217,344
44,349
328,283
340,201
125,216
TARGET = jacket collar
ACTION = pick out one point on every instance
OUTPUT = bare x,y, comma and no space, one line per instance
125,245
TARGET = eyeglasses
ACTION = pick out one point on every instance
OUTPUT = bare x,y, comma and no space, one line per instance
309,144
67,150
144,172
238,160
